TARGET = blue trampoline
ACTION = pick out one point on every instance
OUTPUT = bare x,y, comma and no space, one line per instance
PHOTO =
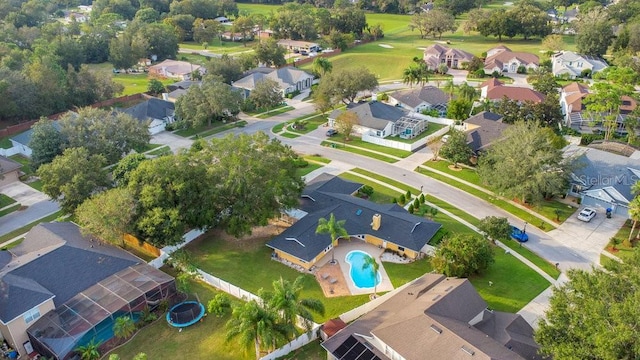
185,314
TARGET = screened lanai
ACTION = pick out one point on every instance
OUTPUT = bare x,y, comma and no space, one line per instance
90,314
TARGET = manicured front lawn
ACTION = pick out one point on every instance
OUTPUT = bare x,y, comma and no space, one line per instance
386,180
531,219
36,185
317,158
312,123
547,208
203,131
290,135
25,162
514,283
307,169
381,194
5,200
220,129
281,110
9,210
248,264
148,147
204,340
5,143
623,251
160,151
543,264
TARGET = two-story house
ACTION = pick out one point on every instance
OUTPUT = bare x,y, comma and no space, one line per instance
502,60
568,63
437,54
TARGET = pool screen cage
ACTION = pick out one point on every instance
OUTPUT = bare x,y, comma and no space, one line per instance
90,314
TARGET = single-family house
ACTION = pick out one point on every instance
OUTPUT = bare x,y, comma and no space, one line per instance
60,289
434,317
578,118
494,90
426,7
9,171
602,179
389,226
297,45
483,129
437,54
381,120
175,69
421,99
573,65
222,19
289,79
155,112
22,140
178,89
502,60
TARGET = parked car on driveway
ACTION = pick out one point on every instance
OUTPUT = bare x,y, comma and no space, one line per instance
332,132
586,214
518,234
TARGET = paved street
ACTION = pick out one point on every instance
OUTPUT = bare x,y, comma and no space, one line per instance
38,206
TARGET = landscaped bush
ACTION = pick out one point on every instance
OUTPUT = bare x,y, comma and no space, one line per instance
586,73
521,69
383,97
479,73
587,139
366,190
300,163
402,200
411,209
248,106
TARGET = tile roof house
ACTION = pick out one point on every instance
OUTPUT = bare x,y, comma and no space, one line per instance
22,140
578,118
175,69
495,90
503,60
382,120
437,54
421,99
571,64
289,79
157,113
9,171
389,226
483,129
434,317
602,179
49,286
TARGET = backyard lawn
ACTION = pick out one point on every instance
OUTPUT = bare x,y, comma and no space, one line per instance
311,351
248,264
204,340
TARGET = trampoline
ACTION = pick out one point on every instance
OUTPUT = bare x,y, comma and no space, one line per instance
185,314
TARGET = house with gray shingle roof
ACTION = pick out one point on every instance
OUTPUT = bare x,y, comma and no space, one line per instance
289,79
420,99
22,140
603,180
382,120
571,64
57,285
483,129
396,229
434,317
9,171
154,112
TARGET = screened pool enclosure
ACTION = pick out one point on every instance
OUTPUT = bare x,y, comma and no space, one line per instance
89,316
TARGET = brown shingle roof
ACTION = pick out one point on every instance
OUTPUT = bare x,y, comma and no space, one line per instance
515,93
7,165
491,83
504,56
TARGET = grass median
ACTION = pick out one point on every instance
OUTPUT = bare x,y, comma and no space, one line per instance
359,151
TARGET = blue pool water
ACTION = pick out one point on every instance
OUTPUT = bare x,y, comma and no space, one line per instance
103,331
362,278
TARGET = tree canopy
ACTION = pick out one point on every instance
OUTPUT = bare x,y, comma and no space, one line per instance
542,173
456,148
212,100
462,255
46,143
595,314
107,215
344,85
266,94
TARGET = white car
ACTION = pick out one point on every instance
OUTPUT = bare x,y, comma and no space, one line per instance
586,214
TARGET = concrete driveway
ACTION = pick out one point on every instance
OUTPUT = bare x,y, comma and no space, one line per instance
23,193
175,142
588,239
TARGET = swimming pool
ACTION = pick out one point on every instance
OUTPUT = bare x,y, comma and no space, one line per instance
362,278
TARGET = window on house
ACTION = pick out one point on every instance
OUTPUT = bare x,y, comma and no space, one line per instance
31,315
400,248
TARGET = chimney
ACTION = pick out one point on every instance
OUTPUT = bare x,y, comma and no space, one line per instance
165,96
377,219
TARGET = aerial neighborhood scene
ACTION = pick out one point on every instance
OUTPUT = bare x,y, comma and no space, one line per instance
323,179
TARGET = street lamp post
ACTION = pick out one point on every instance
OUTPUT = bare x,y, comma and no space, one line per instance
421,186
524,229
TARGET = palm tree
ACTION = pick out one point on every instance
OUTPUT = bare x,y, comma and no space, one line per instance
124,327
423,75
371,263
449,87
409,76
334,228
255,325
285,300
89,351
467,92
634,214
322,65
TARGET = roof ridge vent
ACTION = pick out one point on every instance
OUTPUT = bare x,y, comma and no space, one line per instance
436,329
296,240
415,226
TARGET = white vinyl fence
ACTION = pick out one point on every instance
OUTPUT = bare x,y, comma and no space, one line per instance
365,308
402,145
228,287
10,151
299,342
167,250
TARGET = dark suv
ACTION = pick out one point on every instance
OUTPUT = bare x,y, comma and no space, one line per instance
332,132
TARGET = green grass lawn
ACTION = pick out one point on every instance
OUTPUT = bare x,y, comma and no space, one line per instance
160,151
543,264
248,264
312,123
512,209
13,244
281,110
9,210
278,128
204,340
217,46
36,185
220,129
514,283
400,274
311,351
136,83
5,200
381,194
25,162
307,169
5,143
290,135
359,151
248,8
623,251
148,147
356,141
317,158
385,179
203,131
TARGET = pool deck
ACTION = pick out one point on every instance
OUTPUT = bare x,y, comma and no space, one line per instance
341,251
